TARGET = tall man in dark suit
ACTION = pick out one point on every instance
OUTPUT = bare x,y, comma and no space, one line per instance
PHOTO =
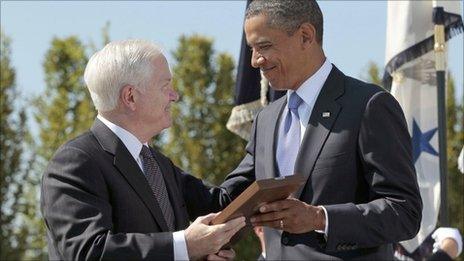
348,138
107,195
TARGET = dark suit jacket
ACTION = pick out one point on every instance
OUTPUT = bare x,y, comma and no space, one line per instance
97,203
358,164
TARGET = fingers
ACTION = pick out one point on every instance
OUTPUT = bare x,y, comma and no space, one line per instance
225,236
272,224
207,219
272,216
227,253
232,224
222,233
233,231
230,233
277,205
215,257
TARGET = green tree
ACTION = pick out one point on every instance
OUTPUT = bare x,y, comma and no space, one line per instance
65,110
373,74
17,232
198,140
455,141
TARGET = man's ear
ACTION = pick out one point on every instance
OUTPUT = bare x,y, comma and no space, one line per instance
127,96
308,35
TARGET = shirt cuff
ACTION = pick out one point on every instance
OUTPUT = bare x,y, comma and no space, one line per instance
180,246
326,229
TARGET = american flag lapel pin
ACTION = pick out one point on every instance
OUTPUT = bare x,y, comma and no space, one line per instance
326,114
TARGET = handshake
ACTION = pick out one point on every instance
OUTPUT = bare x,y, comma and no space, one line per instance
205,240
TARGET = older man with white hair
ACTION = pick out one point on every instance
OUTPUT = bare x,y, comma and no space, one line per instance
107,194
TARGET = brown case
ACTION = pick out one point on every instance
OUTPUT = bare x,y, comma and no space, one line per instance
257,194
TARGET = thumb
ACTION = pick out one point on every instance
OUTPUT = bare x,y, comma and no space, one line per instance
208,218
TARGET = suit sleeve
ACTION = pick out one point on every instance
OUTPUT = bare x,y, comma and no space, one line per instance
393,212
242,176
202,199
78,215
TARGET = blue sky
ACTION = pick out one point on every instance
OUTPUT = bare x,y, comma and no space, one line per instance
354,31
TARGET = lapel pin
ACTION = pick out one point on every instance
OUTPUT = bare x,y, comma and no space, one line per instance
326,114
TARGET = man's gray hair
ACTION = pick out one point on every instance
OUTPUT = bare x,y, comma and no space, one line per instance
288,15
117,65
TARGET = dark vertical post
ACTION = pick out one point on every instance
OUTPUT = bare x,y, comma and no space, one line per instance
439,48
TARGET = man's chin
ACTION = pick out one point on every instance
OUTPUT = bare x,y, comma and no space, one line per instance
277,87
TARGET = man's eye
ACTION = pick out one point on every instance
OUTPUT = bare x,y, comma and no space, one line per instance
260,48
264,47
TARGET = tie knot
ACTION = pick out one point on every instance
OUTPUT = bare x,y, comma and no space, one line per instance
294,101
145,152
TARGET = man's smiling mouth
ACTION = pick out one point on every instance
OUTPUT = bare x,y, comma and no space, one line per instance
264,70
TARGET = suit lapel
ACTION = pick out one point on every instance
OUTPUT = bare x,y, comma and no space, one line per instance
128,168
321,121
271,136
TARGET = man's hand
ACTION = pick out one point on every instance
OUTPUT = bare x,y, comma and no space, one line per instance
449,240
223,255
203,239
290,215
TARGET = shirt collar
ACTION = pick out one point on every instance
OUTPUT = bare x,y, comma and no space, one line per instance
132,143
309,90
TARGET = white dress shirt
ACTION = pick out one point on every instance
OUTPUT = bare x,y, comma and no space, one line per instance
134,146
308,92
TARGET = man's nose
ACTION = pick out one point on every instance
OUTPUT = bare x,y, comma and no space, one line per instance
257,60
173,95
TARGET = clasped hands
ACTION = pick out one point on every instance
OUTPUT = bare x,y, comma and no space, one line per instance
291,215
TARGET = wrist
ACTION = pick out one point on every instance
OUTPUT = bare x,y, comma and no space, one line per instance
450,247
320,219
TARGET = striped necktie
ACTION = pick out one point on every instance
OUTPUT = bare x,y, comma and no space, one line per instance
156,181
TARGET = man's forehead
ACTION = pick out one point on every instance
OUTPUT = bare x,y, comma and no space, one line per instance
259,32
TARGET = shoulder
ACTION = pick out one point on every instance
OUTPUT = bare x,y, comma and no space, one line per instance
81,148
365,95
362,88
78,164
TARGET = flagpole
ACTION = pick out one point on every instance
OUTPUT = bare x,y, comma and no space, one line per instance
439,48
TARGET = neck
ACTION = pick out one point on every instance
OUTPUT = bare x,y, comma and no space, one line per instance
316,59
124,120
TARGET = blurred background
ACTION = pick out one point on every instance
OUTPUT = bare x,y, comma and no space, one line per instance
45,46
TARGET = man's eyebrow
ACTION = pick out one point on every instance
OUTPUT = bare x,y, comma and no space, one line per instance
261,42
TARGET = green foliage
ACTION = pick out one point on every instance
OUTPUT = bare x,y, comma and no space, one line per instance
455,140
15,180
373,74
62,112
198,140
65,110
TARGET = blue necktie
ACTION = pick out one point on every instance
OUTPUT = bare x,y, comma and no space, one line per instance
289,137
